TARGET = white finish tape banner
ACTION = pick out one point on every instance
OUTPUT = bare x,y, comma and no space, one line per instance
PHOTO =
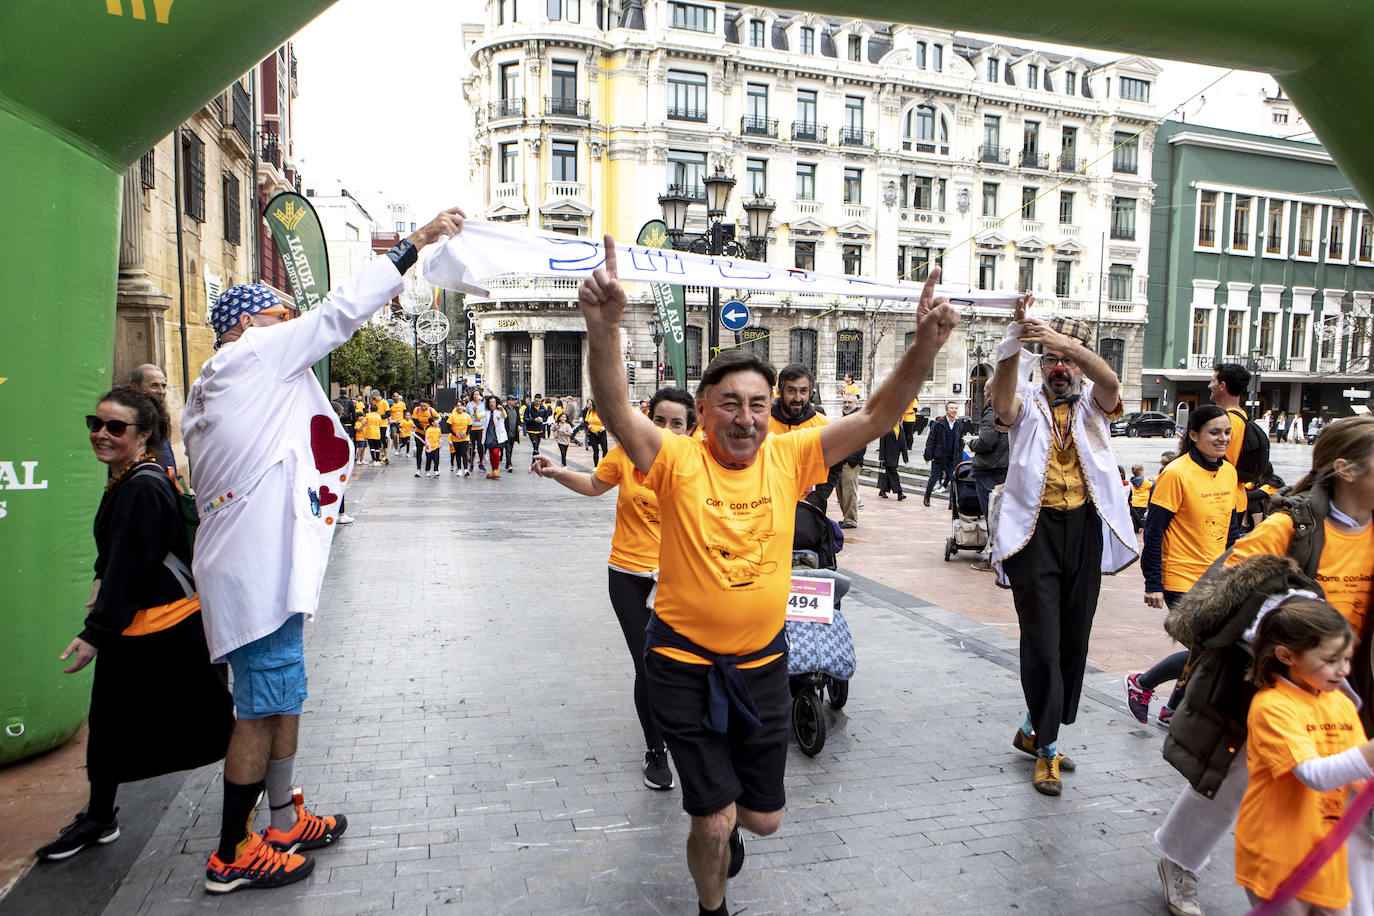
484,250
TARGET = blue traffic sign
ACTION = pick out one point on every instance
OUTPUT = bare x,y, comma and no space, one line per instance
734,316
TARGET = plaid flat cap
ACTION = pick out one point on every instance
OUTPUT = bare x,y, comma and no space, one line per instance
1072,327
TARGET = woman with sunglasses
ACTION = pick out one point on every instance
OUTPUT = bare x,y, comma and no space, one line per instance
157,704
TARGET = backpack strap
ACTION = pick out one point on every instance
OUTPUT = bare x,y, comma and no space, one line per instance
175,565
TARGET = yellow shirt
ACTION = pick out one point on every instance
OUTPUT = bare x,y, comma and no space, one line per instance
1202,502
373,424
421,416
432,438
360,429
1140,496
398,410
1280,818
407,427
634,546
725,558
1344,568
852,389
909,415
1065,487
458,426
1233,453
383,408
593,421
777,427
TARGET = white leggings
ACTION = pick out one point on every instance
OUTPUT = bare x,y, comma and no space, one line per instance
1196,823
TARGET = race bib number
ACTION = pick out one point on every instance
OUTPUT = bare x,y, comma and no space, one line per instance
811,599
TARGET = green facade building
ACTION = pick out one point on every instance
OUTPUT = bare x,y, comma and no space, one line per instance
1261,254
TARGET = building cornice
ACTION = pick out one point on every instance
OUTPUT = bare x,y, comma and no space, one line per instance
1258,147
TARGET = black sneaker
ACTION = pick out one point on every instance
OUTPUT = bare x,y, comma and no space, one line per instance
656,772
76,836
736,853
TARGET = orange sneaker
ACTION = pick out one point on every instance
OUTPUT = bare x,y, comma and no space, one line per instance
260,865
311,830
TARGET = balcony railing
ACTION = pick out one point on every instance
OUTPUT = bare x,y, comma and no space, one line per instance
855,211
686,114
808,132
1031,227
855,136
508,191
758,127
271,148
998,154
573,189
1123,233
925,146
506,108
806,207
1068,231
1068,162
1030,159
558,106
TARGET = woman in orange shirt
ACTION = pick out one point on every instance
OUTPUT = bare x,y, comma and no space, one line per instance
634,555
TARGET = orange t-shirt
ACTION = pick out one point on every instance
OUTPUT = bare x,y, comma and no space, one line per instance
634,546
1202,502
360,430
1281,819
1344,570
725,559
776,427
373,424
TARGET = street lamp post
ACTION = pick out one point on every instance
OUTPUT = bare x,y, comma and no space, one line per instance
656,330
714,241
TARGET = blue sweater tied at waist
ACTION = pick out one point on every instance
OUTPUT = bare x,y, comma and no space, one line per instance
728,691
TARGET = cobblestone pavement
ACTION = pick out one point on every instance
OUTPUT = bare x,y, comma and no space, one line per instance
470,711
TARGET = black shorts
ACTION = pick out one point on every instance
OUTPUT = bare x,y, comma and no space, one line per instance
716,769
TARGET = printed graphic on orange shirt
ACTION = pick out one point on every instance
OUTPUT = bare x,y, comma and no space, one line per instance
742,554
647,509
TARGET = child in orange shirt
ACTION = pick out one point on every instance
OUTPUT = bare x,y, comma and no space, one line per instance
1305,746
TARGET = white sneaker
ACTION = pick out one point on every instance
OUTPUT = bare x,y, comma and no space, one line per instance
1180,889
345,519
417,473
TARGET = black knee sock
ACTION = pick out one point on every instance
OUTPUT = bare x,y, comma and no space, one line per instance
239,804
102,804
718,911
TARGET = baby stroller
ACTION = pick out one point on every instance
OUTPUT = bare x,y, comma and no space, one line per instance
970,527
821,655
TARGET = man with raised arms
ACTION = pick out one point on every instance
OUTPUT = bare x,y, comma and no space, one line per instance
716,654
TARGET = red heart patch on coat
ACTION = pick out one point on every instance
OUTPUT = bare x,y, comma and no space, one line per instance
326,497
329,450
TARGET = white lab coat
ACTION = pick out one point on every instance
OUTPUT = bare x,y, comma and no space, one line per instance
269,462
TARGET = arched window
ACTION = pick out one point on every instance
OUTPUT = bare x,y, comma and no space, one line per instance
927,129
1114,353
755,340
849,352
801,347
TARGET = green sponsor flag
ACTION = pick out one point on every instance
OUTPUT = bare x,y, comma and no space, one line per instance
299,237
669,304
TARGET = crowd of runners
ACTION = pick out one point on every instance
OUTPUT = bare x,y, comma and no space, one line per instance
1266,589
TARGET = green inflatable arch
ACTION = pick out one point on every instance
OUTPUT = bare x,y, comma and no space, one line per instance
86,87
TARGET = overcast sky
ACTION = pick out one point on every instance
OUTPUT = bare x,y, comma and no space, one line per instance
381,108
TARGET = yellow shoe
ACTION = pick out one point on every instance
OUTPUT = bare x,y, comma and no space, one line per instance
1047,781
1026,744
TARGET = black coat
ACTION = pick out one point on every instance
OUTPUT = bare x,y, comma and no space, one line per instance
944,444
889,449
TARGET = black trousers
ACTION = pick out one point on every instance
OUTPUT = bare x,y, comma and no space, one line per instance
535,439
941,472
1055,581
630,599
888,481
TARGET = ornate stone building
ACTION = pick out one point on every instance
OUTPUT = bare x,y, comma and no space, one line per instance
885,148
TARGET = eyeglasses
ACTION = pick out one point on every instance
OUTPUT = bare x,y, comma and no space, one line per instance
115,428
1049,362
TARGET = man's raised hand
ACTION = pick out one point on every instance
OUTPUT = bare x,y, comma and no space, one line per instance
935,317
601,297
1023,305
448,223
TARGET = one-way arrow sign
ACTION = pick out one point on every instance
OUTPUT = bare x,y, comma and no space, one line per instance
734,316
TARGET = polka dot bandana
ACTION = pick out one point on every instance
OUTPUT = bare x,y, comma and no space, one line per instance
244,299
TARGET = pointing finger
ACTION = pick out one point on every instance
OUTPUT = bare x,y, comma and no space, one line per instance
610,257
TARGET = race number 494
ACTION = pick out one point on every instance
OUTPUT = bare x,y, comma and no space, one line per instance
811,599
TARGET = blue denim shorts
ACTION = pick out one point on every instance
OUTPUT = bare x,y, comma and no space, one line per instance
269,673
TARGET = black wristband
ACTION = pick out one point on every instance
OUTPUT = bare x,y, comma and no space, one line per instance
403,254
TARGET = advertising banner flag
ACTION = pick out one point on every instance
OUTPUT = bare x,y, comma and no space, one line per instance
669,304
299,238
